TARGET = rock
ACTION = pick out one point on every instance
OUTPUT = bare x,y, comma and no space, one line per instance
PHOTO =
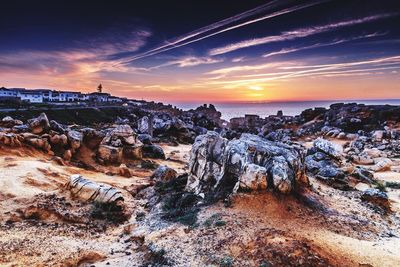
377,136
362,174
153,151
10,139
37,142
75,139
254,177
59,140
363,160
329,148
145,139
143,125
57,127
92,138
109,154
67,155
124,171
376,197
87,190
216,163
9,122
382,164
133,152
125,133
164,174
40,124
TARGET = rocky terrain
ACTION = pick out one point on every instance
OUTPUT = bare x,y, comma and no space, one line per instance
158,186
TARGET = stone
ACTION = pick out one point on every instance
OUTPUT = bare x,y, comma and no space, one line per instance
153,151
123,170
133,152
40,124
216,163
143,125
145,139
378,135
329,148
75,139
376,197
254,178
363,160
92,138
57,127
164,174
362,174
382,164
87,190
109,154
67,155
9,122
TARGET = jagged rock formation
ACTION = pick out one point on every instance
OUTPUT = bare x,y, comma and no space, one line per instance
248,163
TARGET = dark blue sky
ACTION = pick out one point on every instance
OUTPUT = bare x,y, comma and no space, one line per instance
161,49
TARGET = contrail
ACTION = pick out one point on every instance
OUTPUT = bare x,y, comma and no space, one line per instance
185,39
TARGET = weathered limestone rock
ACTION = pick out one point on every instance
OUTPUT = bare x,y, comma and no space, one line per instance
377,136
10,139
40,124
75,139
92,138
382,164
124,171
36,141
164,174
9,122
329,148
109,154
363,160
249,162
87,190
153,151
143,125
376,197
59,140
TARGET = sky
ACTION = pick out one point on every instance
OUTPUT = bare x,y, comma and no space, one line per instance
205,51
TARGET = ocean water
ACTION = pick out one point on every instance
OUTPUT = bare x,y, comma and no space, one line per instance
231,110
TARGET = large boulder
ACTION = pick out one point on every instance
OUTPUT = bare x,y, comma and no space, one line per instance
92,138
109,154
329,148
248,163
40,124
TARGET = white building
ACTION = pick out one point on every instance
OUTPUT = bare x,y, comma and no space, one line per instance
31,96
47,95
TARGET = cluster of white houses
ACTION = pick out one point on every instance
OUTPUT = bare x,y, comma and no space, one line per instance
47,95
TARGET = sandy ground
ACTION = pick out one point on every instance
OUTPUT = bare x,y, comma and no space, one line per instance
320,227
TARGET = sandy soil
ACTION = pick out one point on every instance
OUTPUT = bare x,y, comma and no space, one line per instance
319,227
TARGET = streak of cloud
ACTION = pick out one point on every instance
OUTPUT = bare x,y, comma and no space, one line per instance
208,30
295,34
318,45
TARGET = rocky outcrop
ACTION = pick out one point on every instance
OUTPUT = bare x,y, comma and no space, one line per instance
377,198
247,163
164,174
40,124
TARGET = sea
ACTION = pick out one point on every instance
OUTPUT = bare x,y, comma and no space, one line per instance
232,110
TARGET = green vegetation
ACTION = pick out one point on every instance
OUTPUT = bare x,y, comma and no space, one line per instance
107,211
394,185
226,261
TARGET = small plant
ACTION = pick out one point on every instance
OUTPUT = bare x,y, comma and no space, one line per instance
213,220
107,211
226,261
156,257
394,185
380,187
220,223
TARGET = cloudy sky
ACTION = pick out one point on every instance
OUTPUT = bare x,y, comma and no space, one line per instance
194,51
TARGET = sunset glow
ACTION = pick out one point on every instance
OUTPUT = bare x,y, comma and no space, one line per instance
260,51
